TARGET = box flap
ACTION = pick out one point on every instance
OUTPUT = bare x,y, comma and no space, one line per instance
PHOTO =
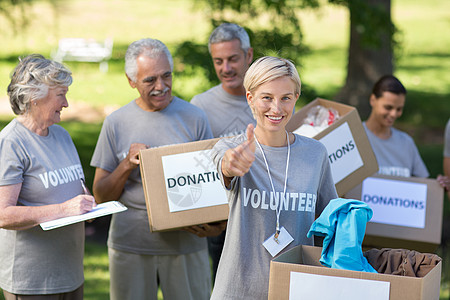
401,287
298,117
431,286
349,115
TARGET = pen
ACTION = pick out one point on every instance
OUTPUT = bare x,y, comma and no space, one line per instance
83,185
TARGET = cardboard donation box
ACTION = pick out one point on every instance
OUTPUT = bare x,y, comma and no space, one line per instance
298,274
407,212
349,151
181,186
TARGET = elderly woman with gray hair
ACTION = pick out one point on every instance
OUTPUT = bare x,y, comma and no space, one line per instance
41,179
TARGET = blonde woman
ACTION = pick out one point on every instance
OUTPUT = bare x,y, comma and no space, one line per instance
277,183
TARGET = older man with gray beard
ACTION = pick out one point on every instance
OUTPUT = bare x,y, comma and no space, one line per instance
140,259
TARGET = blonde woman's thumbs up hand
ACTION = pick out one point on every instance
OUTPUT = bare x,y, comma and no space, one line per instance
237,161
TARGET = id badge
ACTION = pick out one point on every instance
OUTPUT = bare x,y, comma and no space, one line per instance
274,246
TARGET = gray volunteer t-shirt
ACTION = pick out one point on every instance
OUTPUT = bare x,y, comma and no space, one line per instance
179,122
34,261
227,114
243,271
397,155
447,140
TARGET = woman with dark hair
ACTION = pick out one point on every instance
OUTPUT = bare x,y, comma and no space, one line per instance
41,179
395,150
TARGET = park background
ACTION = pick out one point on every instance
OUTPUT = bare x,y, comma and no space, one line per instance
421,62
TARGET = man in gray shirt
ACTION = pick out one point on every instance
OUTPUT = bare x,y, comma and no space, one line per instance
225,104
140,259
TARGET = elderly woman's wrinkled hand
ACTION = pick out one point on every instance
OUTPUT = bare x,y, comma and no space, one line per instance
78,205
237,161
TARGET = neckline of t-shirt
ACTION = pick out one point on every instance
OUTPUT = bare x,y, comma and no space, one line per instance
228,96
42,137
393,132
278,149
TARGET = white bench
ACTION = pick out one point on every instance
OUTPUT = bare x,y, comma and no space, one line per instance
85,50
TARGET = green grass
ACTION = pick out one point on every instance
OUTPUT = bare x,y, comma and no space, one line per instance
96,286
422,64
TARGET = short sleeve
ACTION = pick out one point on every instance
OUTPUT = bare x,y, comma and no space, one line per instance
419,169
447,140
205,128
104,154
12,162
327,188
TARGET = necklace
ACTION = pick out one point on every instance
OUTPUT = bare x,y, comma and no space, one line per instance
278,207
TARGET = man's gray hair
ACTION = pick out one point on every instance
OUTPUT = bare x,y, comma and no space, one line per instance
149,47
31,80
228,32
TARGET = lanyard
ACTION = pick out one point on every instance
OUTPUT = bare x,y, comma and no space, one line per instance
278,207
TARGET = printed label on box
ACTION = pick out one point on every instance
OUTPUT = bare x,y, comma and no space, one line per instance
313,286
192,181
396,202
343,153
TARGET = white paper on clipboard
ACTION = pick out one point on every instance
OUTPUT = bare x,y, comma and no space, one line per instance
100,210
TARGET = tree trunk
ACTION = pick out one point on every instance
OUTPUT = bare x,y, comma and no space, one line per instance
367,63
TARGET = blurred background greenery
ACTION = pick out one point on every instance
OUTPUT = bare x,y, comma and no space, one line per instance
421,63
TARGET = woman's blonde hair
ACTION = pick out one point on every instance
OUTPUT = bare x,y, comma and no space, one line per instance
269,68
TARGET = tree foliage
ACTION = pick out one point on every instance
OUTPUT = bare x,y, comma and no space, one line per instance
371,47
15,12
18,12
272,25
372,20
274,29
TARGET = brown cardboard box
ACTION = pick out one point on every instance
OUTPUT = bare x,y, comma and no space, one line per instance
305,259
388,232
178,177
351,156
